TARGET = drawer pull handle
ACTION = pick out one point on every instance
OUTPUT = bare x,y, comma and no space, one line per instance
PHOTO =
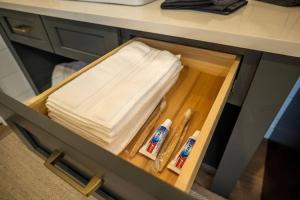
92,185
22,28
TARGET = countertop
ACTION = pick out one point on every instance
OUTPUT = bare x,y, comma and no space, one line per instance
259,26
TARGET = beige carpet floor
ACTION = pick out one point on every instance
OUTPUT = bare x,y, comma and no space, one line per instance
24,177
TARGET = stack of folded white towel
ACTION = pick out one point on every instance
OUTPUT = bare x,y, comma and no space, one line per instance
109,103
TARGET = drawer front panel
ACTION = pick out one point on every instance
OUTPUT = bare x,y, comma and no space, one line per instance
80,41
79,166
25,28
120,178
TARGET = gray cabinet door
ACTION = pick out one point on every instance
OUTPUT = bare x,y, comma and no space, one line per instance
83,159
25,28
80,41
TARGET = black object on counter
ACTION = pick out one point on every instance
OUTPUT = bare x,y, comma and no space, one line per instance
224,7
286,3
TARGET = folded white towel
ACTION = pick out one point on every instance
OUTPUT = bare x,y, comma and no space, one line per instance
109,103
96,108
129,131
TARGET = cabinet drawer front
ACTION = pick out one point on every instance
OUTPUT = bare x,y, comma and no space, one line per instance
80,41
25,28
74,162
121,179
215,73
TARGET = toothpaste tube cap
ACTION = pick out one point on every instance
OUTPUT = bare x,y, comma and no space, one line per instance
167,123
196,133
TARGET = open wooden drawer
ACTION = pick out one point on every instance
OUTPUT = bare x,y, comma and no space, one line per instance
204,85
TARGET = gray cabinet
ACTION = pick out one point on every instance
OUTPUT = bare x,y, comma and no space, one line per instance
25,28
83,41
80,41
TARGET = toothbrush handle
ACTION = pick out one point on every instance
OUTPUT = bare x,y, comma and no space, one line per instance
146,132
177,148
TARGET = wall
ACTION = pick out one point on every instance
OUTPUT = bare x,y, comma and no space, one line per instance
12,80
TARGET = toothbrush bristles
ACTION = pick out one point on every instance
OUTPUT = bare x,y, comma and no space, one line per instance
163,105
188,114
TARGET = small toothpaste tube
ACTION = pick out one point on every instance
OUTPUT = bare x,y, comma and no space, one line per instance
177,163
152,146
